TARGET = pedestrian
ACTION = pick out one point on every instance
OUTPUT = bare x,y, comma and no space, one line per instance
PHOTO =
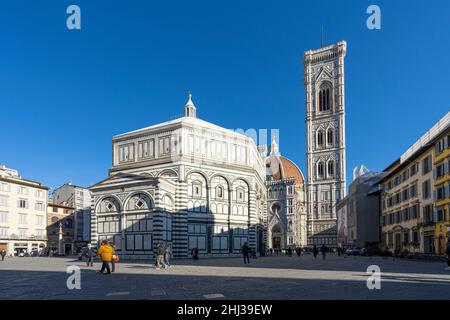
105,253
299,252
160,250
195,255
89,254
167,256
447,253
3,255
315,251
289,252
245,251
271,251
113,257
323,250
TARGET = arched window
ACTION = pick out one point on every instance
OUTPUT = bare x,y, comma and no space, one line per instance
331,168
320,170
320,138
219,192
325,97
330,138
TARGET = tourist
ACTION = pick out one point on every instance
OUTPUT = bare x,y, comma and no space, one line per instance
299,252
315,252
3,255
113,257
289,252
167,256
105,253
195,254
323,250
447,252
245,251
160,250
89,253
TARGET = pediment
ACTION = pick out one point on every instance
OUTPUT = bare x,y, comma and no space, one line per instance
323,74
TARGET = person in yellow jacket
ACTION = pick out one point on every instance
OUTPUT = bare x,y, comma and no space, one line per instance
105,252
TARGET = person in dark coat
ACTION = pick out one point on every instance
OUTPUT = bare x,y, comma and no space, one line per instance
315,252
195,254
323,250
245,252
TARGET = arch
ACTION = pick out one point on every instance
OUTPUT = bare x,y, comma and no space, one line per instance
244,180
325,96
275,208
167,201
198,172
330,136
213,208
150,205
112,196
320,137
215,175
172,173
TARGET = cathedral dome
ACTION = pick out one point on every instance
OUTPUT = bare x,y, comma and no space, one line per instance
279,168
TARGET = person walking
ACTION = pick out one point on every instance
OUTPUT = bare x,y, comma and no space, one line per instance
89,254
323,250
299,252
167,256
195,254
105,252
447,253
3,255
245,251
315,252
160,250
113,257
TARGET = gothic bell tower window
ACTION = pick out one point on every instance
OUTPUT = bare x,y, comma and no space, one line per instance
325,97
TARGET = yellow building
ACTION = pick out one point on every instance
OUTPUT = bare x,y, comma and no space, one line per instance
442,191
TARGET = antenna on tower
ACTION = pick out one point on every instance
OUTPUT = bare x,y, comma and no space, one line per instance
321,38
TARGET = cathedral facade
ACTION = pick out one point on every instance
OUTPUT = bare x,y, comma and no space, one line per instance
185,183
286,202
323,76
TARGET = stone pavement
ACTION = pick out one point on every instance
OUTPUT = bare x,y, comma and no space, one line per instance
273,277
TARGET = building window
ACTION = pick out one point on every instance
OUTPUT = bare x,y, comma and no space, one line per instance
4,187
22,233
413,170
426,189
240,195
40,233
330,137
331,168
22,190
146,149
428,213
196,190
165,148
126,152
40,220
3,231
325,98
440,172
426,165
22,203
440,215
320,170
413,191
3,217
4,200
440,193
40,193
320,138
22,218
219,192
39,206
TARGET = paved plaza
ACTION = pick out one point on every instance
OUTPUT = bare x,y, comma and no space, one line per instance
273,277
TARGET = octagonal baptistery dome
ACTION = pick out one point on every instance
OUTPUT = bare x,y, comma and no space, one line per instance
186,184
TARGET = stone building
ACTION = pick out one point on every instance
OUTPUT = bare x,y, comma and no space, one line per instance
23,205
323,76
186,183
408,214
60,219
286,202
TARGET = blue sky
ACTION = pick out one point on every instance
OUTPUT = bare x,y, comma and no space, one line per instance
64,94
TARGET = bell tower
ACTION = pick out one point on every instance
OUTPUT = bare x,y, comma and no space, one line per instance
323,77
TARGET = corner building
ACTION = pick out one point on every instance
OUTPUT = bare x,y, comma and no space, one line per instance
186,183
